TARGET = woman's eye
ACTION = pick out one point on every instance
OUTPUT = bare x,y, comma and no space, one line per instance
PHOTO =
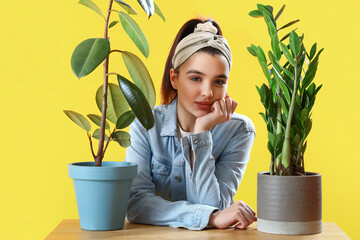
220,82
196,79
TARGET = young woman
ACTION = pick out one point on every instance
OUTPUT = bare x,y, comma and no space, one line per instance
191,162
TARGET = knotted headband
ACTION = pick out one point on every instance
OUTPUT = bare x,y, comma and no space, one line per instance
204,35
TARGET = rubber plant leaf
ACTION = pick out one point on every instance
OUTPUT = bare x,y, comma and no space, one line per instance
148,6
116,102
113,23
121,137
96,135
158,12
137,101
97,120
88,55
79,119
140,75
92,6
134,32
129,9
125,119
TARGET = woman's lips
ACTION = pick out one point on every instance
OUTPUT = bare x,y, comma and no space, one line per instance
204,105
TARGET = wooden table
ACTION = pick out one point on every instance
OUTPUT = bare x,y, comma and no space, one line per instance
69,229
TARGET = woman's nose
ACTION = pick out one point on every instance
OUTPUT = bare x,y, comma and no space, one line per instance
206,91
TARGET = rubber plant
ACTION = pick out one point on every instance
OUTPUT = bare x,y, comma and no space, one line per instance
289,95
114,100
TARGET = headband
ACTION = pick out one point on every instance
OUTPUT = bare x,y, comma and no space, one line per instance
204,35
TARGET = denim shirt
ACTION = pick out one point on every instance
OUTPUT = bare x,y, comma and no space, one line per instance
166,191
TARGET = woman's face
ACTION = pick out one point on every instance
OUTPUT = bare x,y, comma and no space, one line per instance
202,79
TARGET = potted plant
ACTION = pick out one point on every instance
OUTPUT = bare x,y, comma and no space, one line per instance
103,188
288,197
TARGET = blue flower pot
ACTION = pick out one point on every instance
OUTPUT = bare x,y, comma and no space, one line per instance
102,193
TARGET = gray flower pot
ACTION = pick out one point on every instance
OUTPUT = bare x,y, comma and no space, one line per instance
289,204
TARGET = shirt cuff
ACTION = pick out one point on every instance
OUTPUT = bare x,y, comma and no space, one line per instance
201,218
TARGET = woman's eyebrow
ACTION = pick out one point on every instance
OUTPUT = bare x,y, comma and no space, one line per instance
200,73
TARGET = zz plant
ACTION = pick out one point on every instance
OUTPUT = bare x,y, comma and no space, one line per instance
114,100
290,94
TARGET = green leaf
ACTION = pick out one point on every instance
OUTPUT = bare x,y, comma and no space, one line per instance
265,11
121,137
296,140
287,54
140,75
263,116
255,14
129,9
251,51
295,44
312,51
135,33
271,138
280,12
96,135
304,148
88,55
78,119
97,120
310,74
148,6
287,72
270,8
158,11
116,102
289,24
274,37
282,85
303,115
137,102
113,24
92,6
284,107
125,119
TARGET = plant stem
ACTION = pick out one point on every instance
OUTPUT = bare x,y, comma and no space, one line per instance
107,143
100,154
91,145
286,151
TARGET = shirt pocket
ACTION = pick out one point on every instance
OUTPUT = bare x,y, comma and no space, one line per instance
160,169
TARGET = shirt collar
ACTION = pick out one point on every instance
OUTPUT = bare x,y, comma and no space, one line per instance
169,127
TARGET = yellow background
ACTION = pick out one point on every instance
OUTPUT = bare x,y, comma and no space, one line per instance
37,39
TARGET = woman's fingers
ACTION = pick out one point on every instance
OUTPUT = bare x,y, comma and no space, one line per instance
234,105
228,103
252,210
217,108
245,215
242,221
223,107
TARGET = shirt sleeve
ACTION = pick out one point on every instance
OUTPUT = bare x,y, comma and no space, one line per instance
215,182
147,208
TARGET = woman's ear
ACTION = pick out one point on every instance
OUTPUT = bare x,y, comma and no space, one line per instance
173,78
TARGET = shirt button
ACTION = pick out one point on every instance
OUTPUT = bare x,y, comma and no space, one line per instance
177,178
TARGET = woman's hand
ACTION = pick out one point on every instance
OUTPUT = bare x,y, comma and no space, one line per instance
221,111
238,213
